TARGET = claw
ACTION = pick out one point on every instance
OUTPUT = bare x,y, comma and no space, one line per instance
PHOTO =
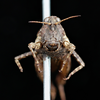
60,70
65,79
68,77
21,69
37,64
39,70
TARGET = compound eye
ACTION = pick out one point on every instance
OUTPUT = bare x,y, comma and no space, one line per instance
58,19
46,19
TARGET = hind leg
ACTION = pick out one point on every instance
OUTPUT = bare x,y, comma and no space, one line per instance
61,75
53,91
61,92
60,85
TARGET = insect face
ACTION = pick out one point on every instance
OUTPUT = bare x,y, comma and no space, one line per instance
52,34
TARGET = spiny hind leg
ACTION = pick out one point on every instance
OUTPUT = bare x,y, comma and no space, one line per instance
61,75
17,58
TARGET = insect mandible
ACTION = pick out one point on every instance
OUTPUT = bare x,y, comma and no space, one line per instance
52,41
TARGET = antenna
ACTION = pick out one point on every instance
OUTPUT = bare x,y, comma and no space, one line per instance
67,19
39,22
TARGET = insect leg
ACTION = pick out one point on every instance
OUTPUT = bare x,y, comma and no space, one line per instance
82,64
60,85
31,47
17,58
62,92
70,48
53,91
64,62
60,76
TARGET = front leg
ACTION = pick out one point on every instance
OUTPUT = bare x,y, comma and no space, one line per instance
17,58
35,46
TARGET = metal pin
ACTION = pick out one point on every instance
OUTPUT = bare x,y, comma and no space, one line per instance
46,59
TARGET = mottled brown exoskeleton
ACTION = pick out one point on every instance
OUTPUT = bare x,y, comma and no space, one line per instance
52,41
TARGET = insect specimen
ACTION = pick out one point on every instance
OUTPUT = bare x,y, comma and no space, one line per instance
52,41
